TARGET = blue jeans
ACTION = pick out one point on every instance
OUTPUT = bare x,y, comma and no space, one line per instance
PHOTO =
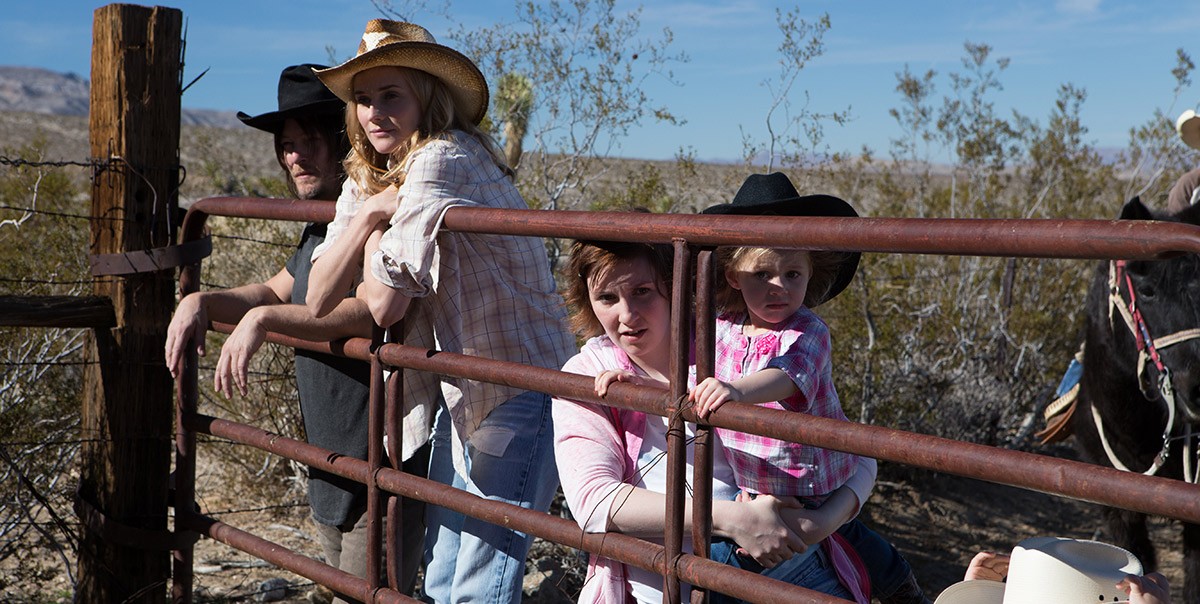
470,560
810,570
887,569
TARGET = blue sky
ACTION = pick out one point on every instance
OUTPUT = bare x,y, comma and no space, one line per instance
1120,52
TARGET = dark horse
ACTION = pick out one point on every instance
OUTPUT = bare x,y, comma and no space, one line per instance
1133,408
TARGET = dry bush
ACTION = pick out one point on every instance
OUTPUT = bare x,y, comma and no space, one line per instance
40,373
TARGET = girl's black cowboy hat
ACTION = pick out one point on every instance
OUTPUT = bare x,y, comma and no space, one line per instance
300,94
774,195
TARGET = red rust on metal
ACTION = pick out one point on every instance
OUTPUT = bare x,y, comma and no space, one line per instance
375,498
702,450
1075,480
676,431
340,581
1097,239
624,548
1025,238
1063,477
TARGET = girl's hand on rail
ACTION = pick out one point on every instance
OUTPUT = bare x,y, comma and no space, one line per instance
758,527
188,325
710,394
234,364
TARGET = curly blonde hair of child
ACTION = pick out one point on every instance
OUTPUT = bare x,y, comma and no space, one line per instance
824,272
374,171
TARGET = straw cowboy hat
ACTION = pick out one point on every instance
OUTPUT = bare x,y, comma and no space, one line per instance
773,194
300,94
399,44
1188,126
1053,570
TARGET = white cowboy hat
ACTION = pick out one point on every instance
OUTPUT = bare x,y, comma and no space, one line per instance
1053,570
1188,127
399,44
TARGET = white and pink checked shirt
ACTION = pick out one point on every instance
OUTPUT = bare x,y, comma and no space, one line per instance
597,448
488,295
801,349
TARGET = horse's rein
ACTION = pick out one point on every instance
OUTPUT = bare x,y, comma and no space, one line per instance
1148,348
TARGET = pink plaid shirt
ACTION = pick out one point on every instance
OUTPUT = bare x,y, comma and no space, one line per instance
801,349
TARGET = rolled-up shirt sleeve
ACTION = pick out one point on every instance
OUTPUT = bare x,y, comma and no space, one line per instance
434,182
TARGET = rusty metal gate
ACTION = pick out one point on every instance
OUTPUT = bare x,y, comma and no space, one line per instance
694,237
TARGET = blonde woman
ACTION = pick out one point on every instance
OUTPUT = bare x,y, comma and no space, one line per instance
413,109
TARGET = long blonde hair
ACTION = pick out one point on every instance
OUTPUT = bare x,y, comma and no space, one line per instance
374,171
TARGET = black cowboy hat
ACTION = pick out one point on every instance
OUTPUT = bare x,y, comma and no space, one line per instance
774,195
300,94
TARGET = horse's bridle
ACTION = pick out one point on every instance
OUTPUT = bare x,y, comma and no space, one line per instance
1148,348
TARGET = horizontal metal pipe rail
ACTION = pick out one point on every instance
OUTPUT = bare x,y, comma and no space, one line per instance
1062,477
745,585
1008,237
1079,239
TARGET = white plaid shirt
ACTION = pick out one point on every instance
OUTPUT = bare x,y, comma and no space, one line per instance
488,295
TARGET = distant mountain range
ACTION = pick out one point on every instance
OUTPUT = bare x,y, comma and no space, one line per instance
36,90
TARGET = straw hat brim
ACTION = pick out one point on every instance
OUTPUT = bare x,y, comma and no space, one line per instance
1188,126
459,73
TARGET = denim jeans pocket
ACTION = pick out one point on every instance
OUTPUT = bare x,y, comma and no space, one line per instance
492,440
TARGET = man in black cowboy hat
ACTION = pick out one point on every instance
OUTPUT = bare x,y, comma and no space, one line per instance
309,144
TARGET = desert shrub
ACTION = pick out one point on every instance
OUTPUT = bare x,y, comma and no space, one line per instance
971,347
40,371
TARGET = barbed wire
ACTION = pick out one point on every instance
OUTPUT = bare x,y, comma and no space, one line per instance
73,524
62,214
80,441
253,240
96,164
32,281
47,363
21,162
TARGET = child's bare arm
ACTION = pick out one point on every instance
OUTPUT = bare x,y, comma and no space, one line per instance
815,525
764,386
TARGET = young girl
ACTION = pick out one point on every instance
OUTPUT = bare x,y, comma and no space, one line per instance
413,109
772,350
609,458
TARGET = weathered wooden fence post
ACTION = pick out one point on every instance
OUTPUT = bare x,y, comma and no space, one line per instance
127,412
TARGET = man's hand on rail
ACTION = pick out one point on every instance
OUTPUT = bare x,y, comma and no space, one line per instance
234,364
188,325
